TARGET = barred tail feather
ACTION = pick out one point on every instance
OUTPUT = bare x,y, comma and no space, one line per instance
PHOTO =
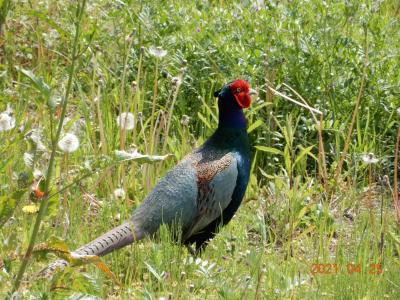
114,239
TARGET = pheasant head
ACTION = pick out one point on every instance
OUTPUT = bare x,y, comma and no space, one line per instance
232,99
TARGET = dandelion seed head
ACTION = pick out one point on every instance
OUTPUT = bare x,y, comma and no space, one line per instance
370,158
69,143
54,101
185,120
134,86
7,121
126,121
158,52
119,193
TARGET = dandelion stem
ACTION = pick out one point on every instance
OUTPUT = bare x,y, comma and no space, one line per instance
153,108
170,113
45,201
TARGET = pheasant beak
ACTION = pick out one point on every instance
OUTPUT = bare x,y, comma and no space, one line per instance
253,92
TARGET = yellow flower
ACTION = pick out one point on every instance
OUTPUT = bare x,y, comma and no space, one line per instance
30,209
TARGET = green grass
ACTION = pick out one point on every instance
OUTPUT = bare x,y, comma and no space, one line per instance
293,214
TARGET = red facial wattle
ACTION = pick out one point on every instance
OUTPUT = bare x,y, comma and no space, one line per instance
241,91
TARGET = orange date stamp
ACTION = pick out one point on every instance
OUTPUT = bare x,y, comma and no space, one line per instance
350,268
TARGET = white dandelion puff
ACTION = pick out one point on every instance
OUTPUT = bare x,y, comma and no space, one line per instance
126,121
369,159
7,121
28,159
157,52
69,143
119,193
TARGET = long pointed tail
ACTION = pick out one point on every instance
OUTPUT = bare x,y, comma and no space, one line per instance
114,239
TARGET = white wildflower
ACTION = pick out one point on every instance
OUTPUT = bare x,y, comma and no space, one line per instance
69,143
398,111
158,52
119,193
126,121
370,159
7,121
28,159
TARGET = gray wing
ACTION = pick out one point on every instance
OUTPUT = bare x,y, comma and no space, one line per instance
172,200
214,195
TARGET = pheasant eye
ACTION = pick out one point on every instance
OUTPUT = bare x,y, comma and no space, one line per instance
238,90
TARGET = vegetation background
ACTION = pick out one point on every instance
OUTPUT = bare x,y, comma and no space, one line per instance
323,190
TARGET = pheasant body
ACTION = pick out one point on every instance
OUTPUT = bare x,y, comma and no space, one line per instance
202,192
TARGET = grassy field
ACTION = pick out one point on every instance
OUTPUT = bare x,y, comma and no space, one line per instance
319,218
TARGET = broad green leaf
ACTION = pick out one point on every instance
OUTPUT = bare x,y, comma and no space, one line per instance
153,271
59,248
8,205
38,82
203,119
209,110
254,126
52,206
302,213
269,150
263,173
303,152
288,159
136,156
